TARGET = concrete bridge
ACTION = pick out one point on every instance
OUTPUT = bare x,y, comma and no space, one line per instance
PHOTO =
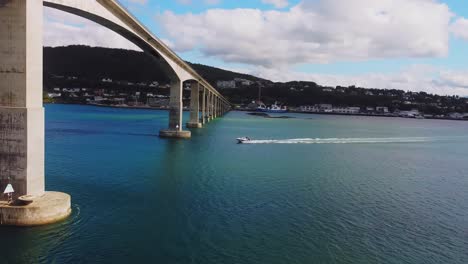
22,112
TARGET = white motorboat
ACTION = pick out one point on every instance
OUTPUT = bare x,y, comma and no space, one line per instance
242,140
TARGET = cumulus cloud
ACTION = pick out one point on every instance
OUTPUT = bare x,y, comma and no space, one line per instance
319,31
460,28
277,3
62,29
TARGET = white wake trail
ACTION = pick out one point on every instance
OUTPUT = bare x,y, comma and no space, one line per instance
340,140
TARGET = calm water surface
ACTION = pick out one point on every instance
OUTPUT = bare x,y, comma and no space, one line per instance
314,189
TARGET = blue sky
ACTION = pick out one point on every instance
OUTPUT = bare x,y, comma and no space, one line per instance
418,45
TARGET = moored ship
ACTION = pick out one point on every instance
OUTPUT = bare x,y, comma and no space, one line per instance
274,108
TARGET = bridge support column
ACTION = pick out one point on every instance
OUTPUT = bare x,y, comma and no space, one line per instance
219,107
210,106
194,107
175,114
22,119
203,114
216,107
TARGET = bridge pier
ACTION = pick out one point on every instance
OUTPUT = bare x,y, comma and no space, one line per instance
194,107
175,114
213,110
22,137
208,107
203,114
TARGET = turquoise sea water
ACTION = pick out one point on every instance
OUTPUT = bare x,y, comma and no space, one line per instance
314,189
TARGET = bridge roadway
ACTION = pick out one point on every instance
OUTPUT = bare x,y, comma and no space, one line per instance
21,106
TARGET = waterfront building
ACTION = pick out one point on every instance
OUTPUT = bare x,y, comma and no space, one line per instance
325,106
308,108
346,110
382,109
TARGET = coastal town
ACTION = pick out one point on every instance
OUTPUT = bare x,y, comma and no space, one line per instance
120,93
98,81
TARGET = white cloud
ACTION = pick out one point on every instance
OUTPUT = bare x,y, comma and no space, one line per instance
455,78
319,31
141,2
62,29
277,3
414,78
206,2
460,28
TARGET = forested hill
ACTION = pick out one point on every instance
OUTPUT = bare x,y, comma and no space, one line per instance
94,63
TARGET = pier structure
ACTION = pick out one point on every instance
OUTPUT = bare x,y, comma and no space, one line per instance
22,137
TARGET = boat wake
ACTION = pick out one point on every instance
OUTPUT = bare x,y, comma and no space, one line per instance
340,140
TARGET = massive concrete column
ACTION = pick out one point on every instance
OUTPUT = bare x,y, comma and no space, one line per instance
175,113
194,107
21,111
22,118
203,115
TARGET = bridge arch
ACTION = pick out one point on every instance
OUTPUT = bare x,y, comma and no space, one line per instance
91,10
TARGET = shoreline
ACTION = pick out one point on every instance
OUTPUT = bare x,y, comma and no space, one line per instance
253,111
359,114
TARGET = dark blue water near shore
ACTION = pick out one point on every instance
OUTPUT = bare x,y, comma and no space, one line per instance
314,189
